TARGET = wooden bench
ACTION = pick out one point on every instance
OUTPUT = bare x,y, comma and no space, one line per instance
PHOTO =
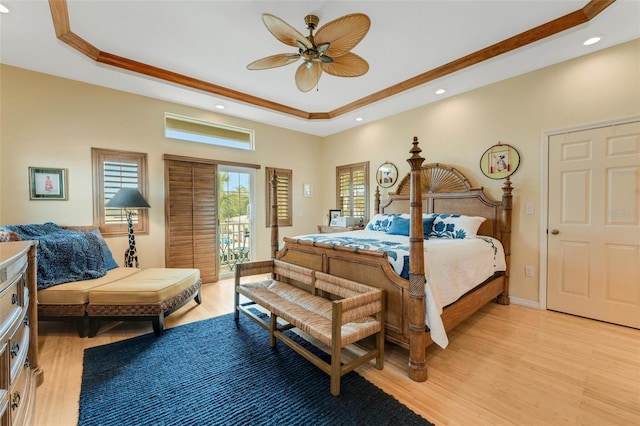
335,311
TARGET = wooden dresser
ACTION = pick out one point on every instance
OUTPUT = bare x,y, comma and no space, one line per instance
20,372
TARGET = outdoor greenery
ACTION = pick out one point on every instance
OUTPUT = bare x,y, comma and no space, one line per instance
233,201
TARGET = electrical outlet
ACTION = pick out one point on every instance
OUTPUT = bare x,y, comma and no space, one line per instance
528,208
528,271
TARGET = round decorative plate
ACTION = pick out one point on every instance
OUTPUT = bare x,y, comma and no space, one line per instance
500,161
387,175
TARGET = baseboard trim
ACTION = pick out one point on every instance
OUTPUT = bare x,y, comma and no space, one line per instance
525,302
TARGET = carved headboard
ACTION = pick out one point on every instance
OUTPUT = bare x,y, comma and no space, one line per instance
447,190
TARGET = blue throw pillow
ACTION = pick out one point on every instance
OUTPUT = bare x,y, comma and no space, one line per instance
109,261
399,226
427,224
402,226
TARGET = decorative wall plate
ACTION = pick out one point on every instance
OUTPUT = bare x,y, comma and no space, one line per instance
500,161
387,175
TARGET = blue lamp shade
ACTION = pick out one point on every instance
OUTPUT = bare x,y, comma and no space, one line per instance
128,198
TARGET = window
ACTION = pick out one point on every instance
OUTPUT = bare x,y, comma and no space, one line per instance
111,171
352,190
283,196
190,129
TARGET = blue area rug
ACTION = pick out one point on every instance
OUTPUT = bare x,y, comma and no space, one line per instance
214,372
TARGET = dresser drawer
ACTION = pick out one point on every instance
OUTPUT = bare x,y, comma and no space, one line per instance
19,396
11,303
4,410
18,348
12,270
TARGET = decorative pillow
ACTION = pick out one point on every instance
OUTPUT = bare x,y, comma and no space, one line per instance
455,226
399,226
6,236
109,261
402,225
427,224
380,222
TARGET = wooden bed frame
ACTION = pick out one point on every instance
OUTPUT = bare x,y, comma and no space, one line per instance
443,190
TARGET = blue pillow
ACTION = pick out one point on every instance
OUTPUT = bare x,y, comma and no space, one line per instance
109,261
402,226
399,226
427,224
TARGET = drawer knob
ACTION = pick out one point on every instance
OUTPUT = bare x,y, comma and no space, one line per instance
15,348
14,298
15,401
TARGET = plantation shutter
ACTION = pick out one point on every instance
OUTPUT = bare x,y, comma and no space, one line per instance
353,190
284,198
113,170
191,217
118,174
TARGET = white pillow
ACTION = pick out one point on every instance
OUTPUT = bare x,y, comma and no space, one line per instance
455,226
380,222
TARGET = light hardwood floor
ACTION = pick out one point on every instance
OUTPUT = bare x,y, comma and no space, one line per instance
506,365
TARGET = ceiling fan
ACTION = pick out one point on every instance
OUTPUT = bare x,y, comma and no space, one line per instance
328,50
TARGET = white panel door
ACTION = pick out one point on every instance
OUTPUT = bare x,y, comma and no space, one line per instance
594,224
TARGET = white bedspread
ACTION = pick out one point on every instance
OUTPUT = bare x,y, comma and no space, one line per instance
452,267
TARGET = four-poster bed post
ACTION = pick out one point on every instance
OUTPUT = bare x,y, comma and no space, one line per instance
417,356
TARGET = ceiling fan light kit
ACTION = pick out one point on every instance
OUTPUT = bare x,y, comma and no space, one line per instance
329,50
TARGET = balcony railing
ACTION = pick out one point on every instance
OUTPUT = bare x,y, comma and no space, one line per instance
233,244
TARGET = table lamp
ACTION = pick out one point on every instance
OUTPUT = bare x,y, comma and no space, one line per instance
129,199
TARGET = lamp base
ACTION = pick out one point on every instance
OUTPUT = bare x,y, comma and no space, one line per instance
130,256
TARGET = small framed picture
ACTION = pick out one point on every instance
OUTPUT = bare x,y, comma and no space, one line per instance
47,183
333,214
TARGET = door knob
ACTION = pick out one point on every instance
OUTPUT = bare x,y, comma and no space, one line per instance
555,231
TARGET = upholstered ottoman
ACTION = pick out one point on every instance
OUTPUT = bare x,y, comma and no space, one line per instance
150,294
69,300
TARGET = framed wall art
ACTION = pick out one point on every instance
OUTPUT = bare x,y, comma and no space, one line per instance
47,183
500,161
387,175
333,214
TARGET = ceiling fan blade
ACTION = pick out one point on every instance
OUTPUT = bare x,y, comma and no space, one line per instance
284,32
343,33
307,77
274,61
347,65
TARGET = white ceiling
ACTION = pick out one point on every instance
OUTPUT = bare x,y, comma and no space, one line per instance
215,40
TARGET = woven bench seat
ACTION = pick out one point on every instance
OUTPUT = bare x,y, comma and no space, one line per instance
333,310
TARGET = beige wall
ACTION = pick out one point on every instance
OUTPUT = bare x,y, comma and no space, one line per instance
53,122
592,89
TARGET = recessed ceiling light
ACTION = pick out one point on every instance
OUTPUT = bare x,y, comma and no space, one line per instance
359,118
440,91
3,9
220,106
592,40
